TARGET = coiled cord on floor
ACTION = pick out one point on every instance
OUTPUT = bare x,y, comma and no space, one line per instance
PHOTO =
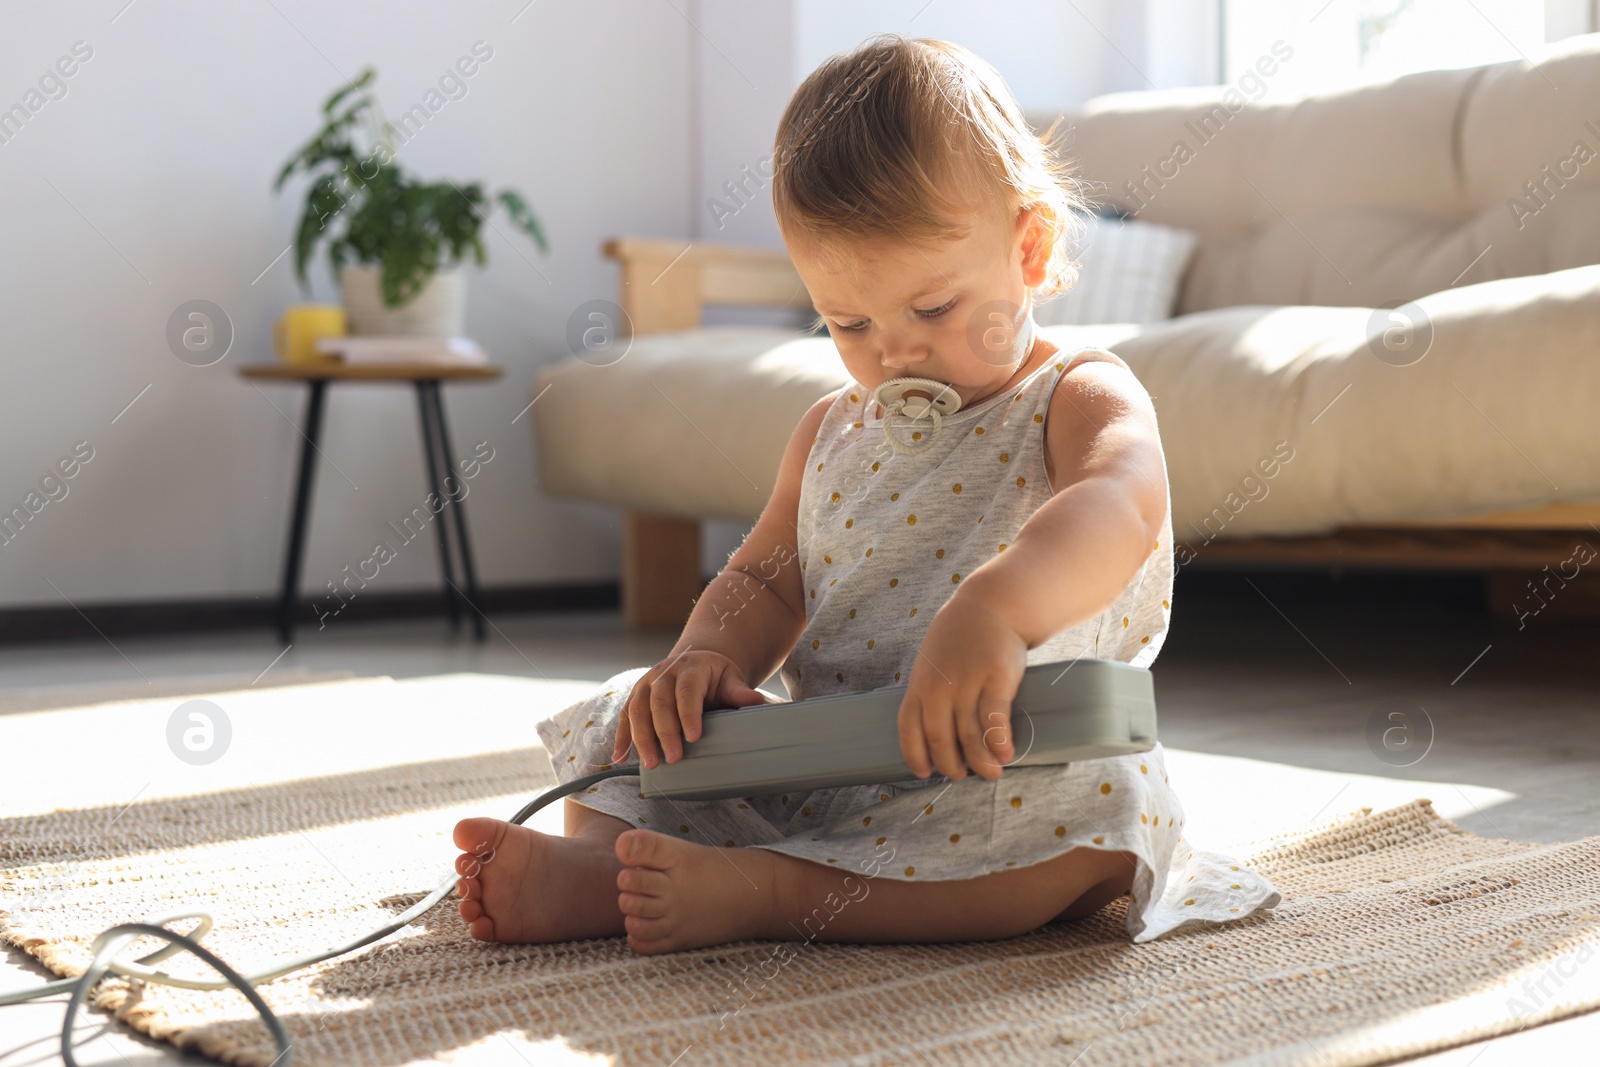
112,941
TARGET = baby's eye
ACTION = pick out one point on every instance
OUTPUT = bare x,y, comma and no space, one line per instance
854,327
934,312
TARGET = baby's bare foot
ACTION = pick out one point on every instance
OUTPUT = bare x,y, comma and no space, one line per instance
519,885
677,894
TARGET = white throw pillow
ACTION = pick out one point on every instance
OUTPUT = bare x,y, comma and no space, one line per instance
1128,272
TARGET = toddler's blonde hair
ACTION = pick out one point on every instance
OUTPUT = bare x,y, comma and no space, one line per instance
894,137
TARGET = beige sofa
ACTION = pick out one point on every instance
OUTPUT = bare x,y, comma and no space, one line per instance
1473,196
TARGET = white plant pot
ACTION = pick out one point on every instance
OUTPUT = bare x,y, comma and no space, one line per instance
439,310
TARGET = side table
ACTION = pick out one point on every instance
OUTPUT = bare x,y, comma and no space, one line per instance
436,448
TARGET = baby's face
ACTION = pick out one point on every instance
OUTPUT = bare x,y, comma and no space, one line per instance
948,310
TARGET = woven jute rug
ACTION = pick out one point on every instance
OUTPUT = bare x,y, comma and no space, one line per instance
1399,934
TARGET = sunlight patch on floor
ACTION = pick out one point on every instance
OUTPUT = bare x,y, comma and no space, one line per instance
1230,800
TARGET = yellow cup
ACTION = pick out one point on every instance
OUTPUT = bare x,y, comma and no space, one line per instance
296,332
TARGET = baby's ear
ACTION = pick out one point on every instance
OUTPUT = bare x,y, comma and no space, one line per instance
1036,236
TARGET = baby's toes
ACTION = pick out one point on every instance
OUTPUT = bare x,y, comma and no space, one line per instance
643,880
479,835
646,848
481,928
646,934
641,905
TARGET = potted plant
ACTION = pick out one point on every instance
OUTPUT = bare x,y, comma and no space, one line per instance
395,243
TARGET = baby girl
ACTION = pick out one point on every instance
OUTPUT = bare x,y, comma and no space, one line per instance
1010,507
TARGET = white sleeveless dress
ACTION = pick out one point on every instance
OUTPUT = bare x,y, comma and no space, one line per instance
884,539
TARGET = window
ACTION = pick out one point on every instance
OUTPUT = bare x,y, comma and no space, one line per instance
1334,44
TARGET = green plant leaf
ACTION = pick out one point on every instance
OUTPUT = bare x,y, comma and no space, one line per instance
330,145
522,217
363,80
460,212
323,202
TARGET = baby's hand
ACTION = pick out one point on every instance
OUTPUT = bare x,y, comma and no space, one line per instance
962,683
673,693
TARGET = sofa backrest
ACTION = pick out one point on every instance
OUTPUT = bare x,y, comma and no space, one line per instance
1371,196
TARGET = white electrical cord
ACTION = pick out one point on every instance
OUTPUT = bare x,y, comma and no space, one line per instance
112,941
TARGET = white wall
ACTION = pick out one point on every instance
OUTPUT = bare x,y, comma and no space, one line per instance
148,185
747,70
1054,56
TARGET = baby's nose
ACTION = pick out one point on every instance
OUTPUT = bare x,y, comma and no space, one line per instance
898,357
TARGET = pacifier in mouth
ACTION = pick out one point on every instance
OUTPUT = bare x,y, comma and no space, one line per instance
913,400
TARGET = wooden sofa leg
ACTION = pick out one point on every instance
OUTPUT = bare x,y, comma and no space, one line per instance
660,570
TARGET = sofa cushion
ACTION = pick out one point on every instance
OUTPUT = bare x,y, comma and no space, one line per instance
689,423
1497,413
693,423
1365,196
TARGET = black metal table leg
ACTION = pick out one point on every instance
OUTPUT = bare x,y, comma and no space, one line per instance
430,453
463,542
302,509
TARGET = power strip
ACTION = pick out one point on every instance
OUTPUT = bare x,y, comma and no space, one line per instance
1066,711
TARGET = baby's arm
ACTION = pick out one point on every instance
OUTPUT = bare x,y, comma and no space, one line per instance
1068,562
1077,553
742,626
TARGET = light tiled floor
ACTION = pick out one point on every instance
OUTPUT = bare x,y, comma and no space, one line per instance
1266,683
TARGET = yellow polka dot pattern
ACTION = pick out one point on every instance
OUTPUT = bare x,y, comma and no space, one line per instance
922,525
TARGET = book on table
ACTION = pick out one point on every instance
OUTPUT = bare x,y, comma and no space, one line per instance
400,348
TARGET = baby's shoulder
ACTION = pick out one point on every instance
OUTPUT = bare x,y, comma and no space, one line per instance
807,432
817,413
1086,358
1098,410
1092,375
